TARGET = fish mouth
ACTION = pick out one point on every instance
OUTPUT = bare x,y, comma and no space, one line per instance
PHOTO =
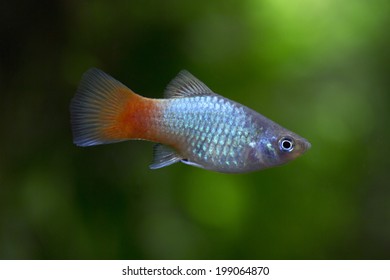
307,145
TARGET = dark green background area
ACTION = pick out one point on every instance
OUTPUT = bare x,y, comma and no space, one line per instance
319,68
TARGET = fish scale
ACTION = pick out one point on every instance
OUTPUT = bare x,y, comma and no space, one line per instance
191,124
225,122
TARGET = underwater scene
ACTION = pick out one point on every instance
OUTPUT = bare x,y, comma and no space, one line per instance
319,69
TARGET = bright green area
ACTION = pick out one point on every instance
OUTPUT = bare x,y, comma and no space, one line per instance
317,67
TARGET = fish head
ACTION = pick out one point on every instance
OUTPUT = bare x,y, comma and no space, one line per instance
278,146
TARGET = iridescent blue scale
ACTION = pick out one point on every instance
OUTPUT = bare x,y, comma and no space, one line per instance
210,130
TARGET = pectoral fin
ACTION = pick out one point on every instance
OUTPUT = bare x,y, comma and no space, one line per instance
186,161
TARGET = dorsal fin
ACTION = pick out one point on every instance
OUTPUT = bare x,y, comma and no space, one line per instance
163,156
185,85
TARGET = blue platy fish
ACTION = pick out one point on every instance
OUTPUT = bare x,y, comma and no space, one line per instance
192,124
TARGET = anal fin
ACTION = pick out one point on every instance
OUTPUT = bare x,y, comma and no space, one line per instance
163,156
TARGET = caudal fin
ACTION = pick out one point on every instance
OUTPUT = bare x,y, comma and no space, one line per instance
98,108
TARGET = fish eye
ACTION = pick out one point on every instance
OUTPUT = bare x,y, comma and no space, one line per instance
286,144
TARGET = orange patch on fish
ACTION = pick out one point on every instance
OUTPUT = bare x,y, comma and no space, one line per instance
133,121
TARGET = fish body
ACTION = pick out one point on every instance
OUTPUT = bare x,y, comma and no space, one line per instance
192,124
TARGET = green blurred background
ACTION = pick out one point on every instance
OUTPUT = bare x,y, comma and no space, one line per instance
318,67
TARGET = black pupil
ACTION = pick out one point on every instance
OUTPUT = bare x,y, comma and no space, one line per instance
286,144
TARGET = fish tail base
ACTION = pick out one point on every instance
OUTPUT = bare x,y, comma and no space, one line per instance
99,109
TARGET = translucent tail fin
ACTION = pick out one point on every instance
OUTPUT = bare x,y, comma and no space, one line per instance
98,108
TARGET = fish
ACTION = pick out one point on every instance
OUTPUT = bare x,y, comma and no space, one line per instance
192,125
